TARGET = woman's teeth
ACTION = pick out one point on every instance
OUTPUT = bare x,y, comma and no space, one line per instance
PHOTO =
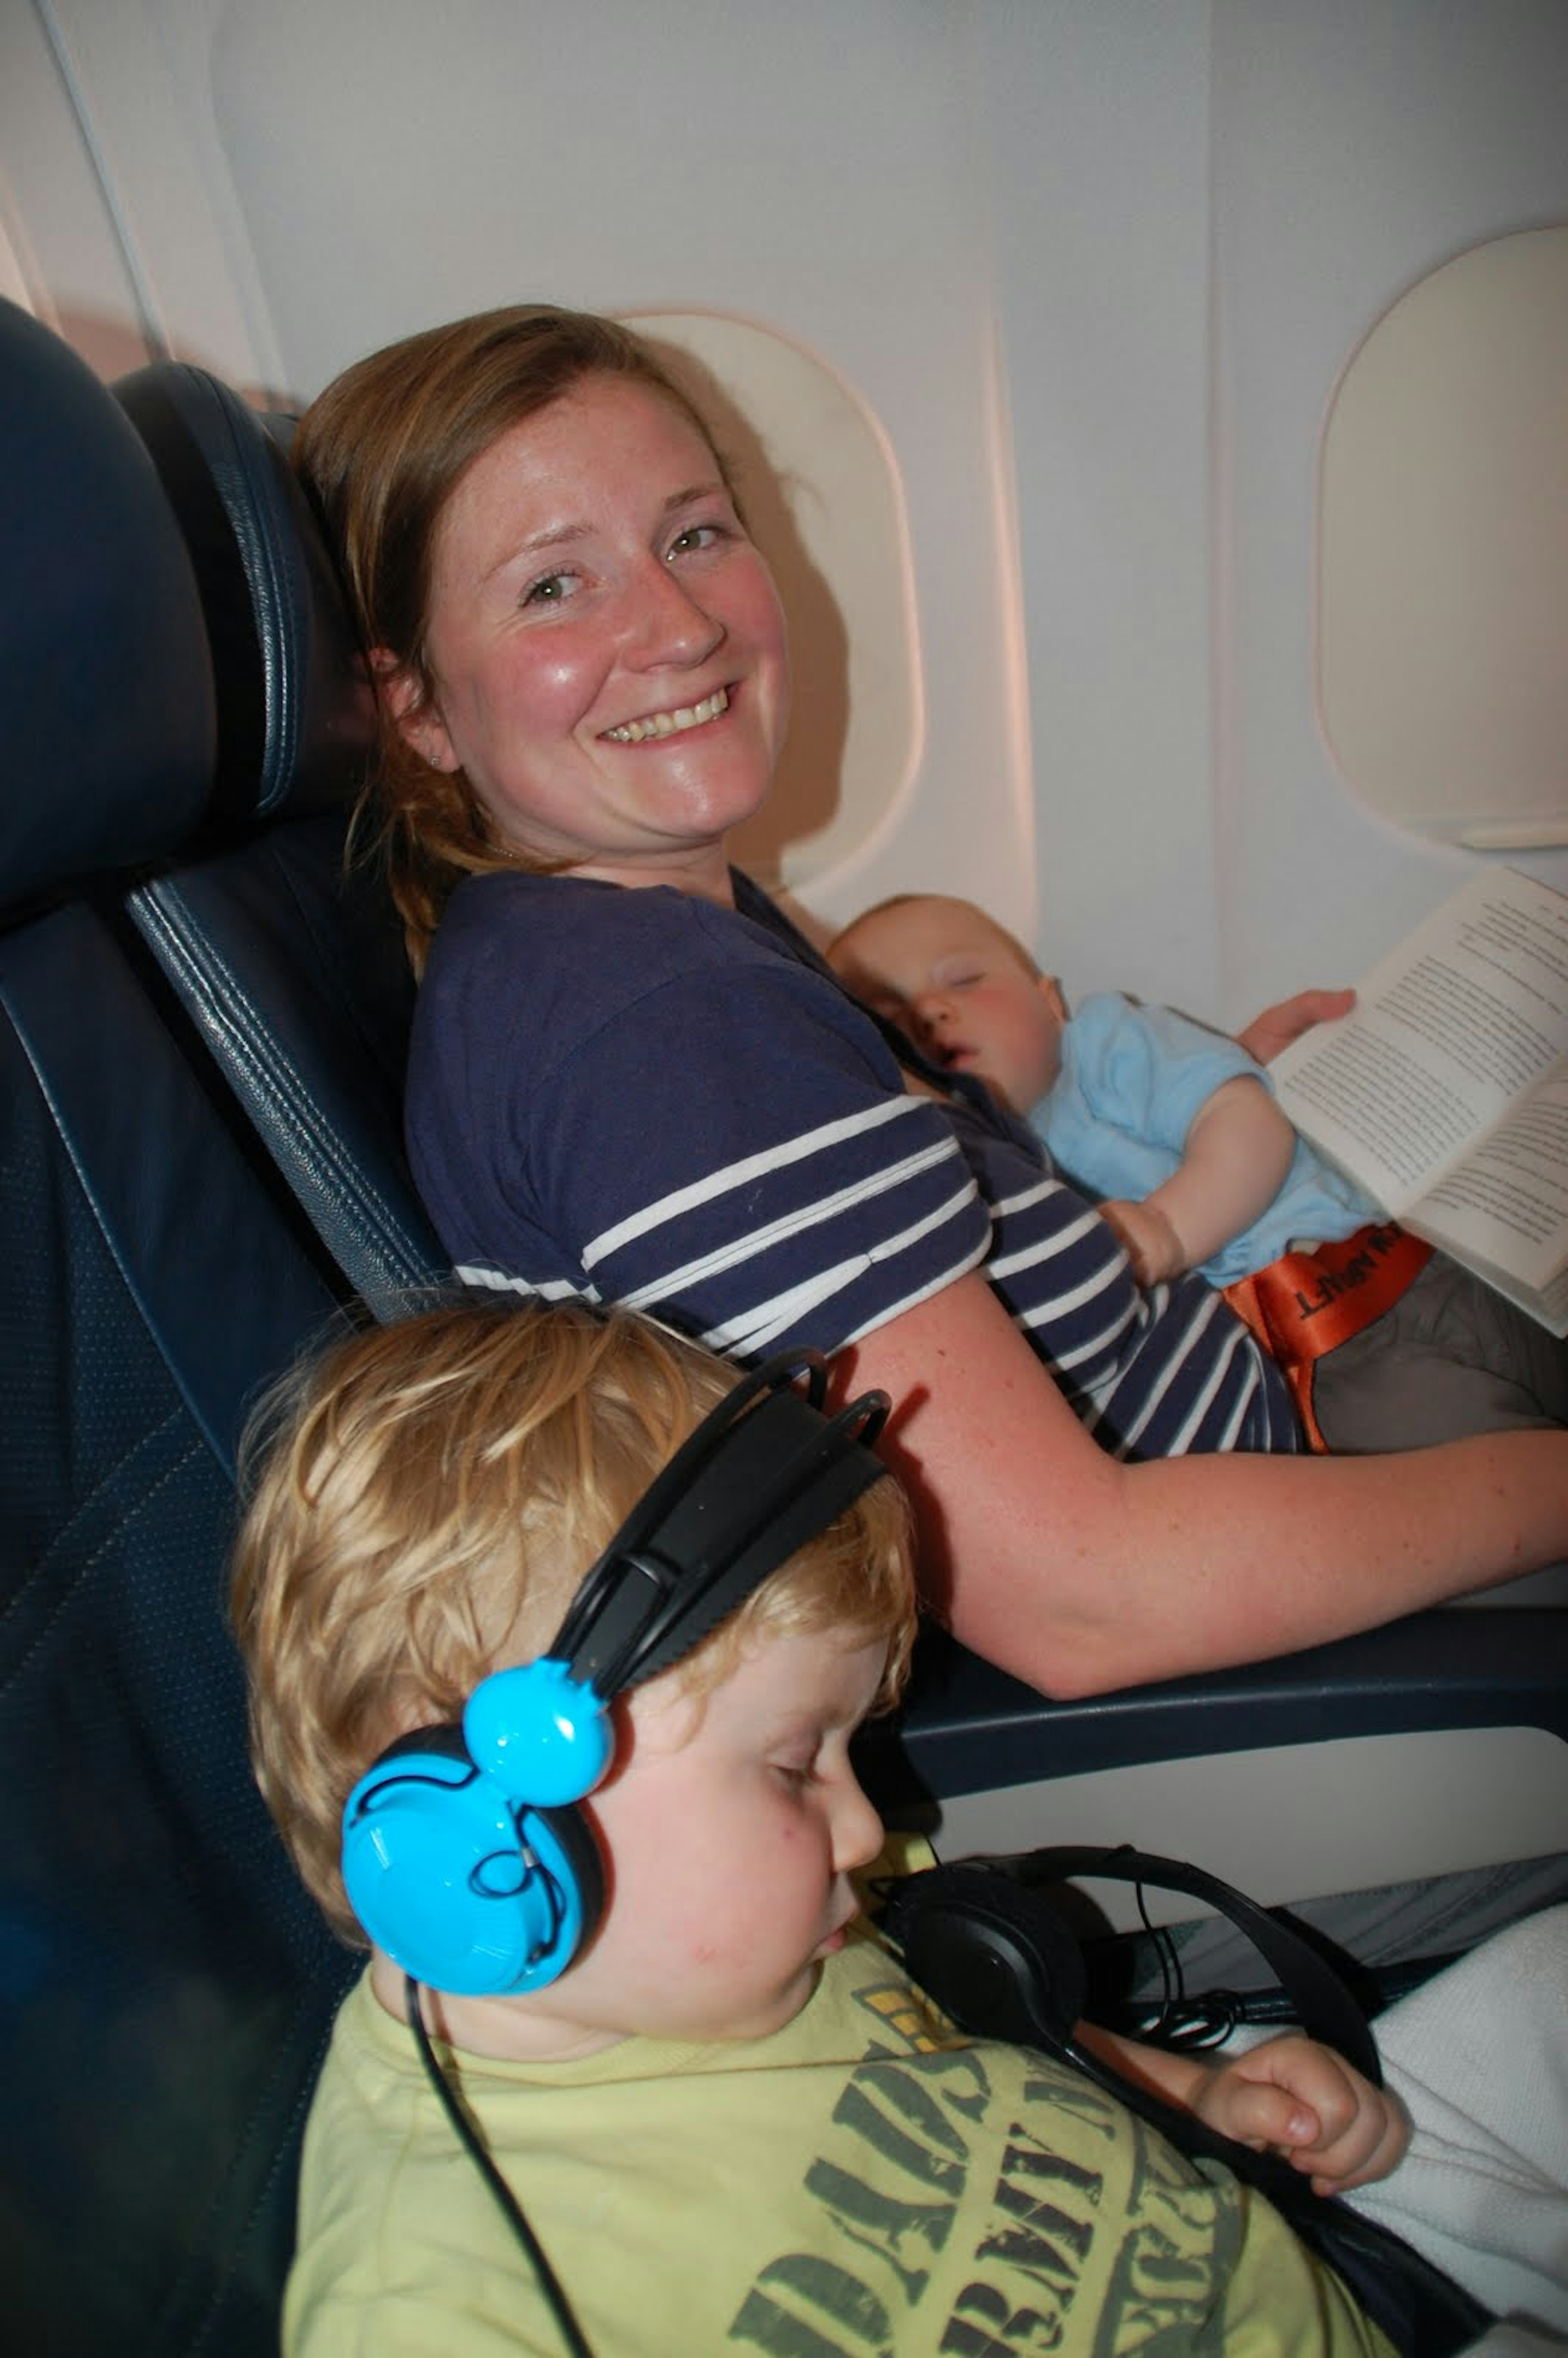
670,724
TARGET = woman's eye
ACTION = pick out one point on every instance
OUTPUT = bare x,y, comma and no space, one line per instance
550,590
696,535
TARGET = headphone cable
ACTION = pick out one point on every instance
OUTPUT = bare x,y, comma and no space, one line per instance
473,2145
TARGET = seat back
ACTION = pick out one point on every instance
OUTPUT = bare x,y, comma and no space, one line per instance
168,1987
285,959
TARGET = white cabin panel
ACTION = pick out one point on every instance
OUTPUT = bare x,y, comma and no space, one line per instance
1355,149
61,256
1093,268
813,171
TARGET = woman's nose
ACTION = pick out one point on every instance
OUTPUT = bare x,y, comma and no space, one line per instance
669,625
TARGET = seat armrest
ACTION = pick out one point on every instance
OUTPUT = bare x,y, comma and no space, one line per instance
967,1727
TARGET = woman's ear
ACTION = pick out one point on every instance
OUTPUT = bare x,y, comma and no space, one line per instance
413,713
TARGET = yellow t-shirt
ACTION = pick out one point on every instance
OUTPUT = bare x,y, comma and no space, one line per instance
865,2182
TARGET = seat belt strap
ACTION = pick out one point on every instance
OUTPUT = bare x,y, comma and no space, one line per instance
1306,1303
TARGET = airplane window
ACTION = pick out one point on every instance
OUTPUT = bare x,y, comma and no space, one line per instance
824,501
1442,562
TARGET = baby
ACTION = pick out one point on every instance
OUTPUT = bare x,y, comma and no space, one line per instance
1175,1129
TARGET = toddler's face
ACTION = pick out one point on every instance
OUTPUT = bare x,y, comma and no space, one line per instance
954,981
730,1830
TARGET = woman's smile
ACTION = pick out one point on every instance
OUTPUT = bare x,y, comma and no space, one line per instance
670,724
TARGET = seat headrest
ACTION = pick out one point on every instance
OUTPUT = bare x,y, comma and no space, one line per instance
296,712
106,699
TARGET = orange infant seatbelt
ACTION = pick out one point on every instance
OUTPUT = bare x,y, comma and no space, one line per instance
1306,1305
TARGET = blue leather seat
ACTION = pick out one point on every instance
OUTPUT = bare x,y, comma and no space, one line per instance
167,1986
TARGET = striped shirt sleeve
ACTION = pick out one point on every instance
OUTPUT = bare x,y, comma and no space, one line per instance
1160,1373
725,1142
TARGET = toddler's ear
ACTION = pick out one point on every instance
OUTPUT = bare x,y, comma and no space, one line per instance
414,715
1050,990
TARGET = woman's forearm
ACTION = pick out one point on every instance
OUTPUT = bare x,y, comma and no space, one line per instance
1081,1575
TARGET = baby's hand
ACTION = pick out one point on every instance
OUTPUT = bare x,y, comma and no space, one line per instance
1304,2101
1151,1243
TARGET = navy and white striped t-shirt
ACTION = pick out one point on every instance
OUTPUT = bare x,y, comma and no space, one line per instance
639,1096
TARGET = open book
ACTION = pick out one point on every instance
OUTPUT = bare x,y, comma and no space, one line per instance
1445,1093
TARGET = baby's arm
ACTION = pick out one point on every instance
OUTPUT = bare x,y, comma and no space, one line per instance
1237,1151
1288,2096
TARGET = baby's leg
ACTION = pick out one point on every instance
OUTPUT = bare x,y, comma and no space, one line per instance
1450,1358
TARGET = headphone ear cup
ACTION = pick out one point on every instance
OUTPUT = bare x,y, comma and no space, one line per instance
996,1957
566,1836
460,1887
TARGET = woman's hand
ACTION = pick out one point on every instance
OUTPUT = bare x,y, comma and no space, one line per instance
1292,2097
1278,1026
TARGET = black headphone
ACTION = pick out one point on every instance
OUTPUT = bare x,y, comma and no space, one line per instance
465,1858
983,1939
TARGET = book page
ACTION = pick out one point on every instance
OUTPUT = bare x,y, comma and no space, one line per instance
1448,1032
1507,1201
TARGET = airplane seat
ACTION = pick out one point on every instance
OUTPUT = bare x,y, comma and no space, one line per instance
168,1987
286,956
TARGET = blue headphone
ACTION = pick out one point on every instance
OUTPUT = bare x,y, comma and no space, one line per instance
465,1858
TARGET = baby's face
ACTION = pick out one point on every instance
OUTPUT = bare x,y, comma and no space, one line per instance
954,981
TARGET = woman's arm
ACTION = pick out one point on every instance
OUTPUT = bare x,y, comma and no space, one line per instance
1081,1573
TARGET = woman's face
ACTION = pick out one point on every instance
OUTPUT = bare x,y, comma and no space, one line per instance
606,646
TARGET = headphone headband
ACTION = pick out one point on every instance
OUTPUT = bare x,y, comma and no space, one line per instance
764,1473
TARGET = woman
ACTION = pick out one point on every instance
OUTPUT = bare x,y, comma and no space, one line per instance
629,1080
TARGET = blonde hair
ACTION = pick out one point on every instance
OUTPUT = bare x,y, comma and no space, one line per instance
424,1500
381,452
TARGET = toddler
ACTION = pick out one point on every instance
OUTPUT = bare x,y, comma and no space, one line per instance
591,1791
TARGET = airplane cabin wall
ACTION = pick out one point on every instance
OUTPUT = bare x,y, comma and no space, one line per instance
1356,149
1095,265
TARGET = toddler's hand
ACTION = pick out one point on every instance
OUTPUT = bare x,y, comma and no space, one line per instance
1151,1243
1304,2101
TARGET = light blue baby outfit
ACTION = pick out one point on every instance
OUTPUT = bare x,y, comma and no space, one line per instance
1132,1079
